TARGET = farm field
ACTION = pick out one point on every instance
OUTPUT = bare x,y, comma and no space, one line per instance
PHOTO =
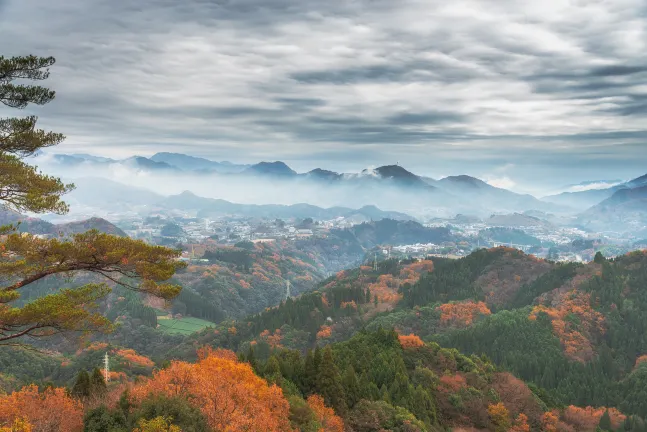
184,326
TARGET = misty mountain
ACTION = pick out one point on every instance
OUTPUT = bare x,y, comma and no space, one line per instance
322,174
516,220
585,199
484,195
389,187
277,168
192,163
625,210
211,207
392,232
148,164
88,224
401,176
104,193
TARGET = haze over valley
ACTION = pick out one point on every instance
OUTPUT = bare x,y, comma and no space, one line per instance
323,216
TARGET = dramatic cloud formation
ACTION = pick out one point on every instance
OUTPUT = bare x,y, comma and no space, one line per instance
553,86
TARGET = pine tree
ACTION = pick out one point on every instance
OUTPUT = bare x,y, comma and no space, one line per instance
351,387
329,383
81,386
24,188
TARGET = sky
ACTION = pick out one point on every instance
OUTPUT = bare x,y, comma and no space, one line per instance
528,95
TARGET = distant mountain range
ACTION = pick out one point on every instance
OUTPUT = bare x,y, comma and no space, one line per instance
587,198
210,207
625,210
385,187
109,195
38,226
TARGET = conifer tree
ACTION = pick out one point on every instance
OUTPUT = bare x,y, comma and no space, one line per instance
400,391
81,386
329,383
351,387
25,259
273,370
310,378
97,382
605,422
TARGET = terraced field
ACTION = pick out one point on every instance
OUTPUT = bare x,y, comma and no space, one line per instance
185,326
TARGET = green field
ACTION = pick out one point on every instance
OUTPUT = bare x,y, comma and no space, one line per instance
184,326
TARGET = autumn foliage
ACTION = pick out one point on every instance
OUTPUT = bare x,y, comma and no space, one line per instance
51,410
410,341
520,424
499,416
576,339
324,332
229,394
325,415
132,357
272,339
641,359
462,314
588,418
549,421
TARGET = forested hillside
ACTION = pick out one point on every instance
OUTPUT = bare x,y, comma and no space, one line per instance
575,330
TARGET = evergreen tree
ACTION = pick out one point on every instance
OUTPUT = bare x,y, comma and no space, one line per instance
97,382
329,382
384,392
310,378
605,422
273,370
422,405
351,387
400,390
24,188
599,258
81,386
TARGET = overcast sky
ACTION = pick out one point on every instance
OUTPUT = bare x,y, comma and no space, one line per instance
515,92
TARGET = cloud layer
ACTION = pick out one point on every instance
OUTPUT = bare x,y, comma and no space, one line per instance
464,86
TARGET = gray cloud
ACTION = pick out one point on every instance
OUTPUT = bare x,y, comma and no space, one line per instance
374,80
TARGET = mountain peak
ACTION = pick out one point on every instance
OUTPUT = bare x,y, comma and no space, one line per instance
322,174
273,168
395,172
465,180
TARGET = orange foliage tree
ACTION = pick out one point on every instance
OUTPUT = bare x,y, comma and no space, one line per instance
500,416
588,418
641,359
325,415
229,394
324,332
462,314
410,341
520,424
51,410
131,356
549,421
